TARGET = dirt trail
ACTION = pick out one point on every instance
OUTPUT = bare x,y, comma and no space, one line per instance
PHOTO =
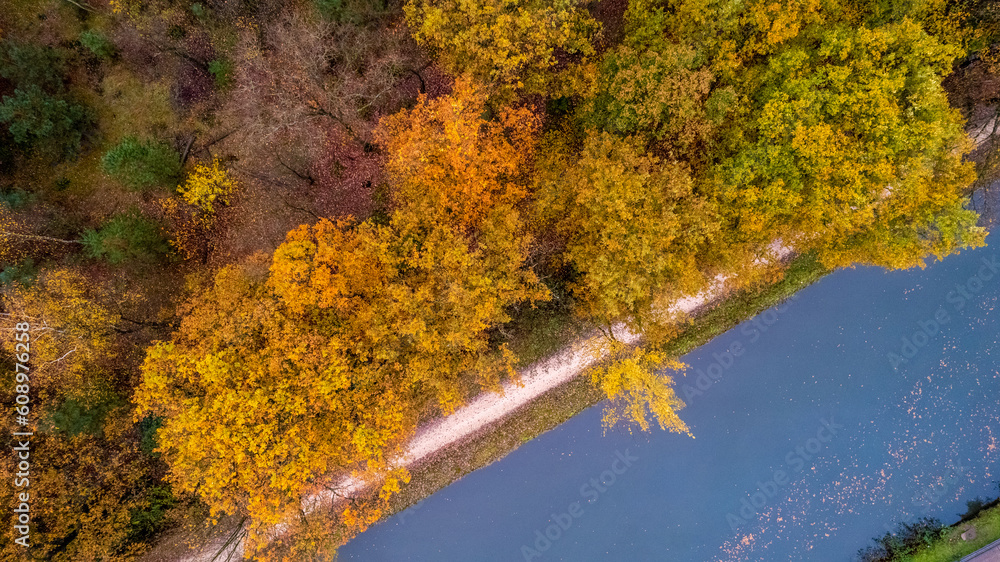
489,408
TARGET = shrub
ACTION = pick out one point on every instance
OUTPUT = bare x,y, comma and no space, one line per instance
908,538
32,65
38,120
98,44
199,11
222,72
142,164
16,198
128,236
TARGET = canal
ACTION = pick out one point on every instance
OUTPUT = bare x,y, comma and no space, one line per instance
870,399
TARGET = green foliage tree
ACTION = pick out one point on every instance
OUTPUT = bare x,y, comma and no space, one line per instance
847,146
23,272
38,120
142,164
839,137
127,236
149,516
28,64
74,416
39,115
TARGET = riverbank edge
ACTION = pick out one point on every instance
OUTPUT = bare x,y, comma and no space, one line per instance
557,405
950,547
561,403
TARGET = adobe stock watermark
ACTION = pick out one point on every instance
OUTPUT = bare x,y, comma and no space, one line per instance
722,362
591,491
958,299
22,436
796,461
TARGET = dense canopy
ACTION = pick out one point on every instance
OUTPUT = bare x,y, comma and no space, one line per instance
259,243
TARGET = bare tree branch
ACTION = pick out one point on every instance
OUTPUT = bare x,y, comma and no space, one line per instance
82,7
42,238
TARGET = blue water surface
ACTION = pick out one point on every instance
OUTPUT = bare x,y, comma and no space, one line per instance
807,444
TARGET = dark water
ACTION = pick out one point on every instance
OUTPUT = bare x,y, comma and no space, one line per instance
809,442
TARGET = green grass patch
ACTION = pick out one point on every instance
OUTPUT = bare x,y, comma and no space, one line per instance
802,271
950,546
540,332
128,105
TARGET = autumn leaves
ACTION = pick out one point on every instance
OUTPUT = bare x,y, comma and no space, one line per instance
672,157
326,360
851,148
511,47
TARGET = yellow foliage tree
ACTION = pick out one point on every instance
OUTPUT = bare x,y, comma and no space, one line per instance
325,366
508,45
256,406
633,228
206,185
70,327
631,379
88,478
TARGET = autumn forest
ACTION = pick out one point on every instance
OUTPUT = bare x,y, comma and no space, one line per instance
259,242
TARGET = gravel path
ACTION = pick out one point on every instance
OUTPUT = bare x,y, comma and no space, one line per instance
489,408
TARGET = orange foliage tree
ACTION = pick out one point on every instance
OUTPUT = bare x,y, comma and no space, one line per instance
324,363
447,162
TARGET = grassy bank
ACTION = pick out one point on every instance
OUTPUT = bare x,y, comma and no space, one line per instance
950,546
562,403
